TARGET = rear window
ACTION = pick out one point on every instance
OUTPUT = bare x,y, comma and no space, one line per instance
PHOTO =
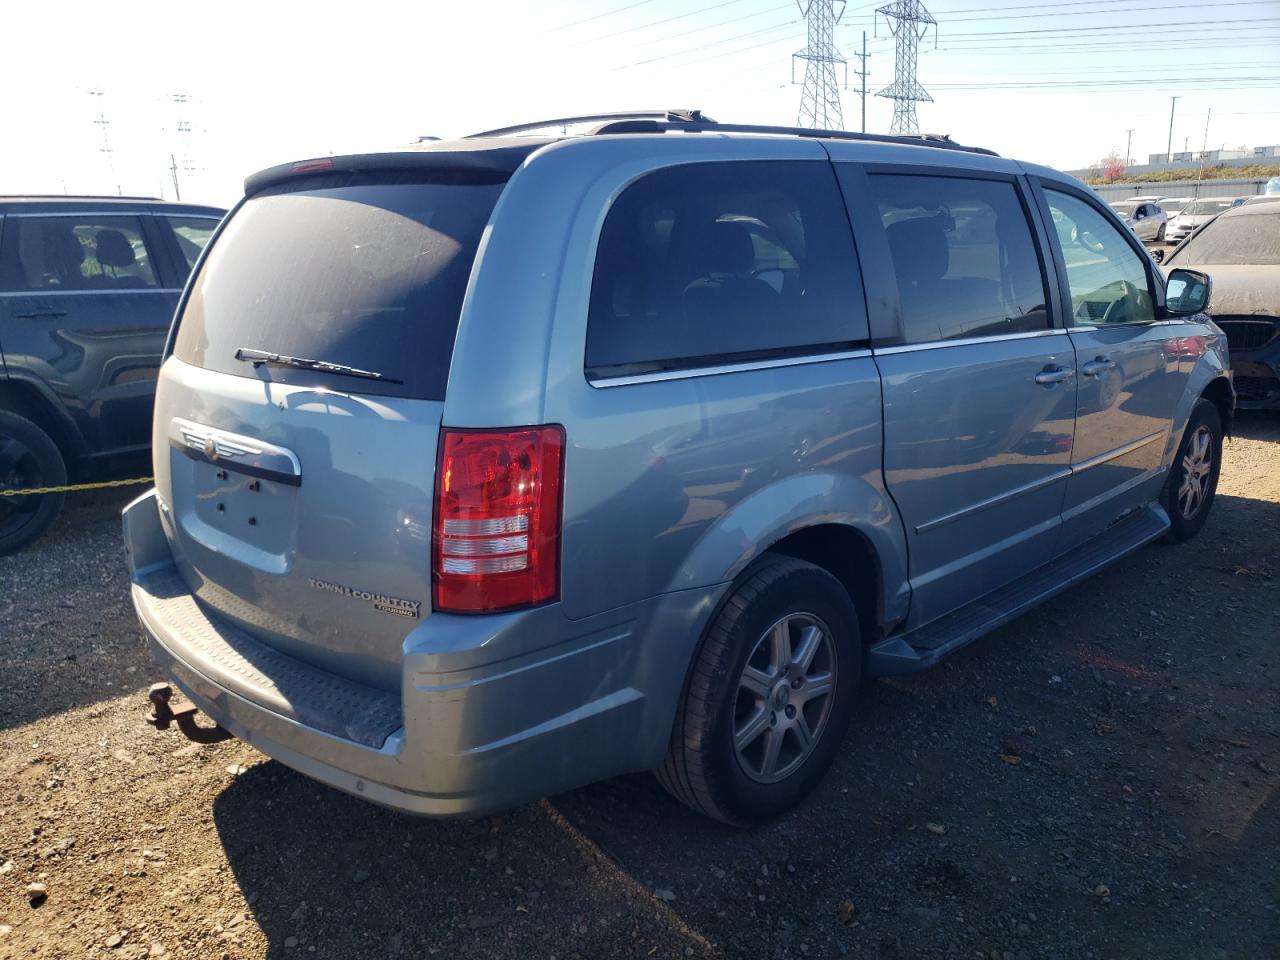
369,275
712,263
1250,238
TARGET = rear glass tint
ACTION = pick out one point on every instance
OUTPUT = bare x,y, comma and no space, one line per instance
712,263
368,275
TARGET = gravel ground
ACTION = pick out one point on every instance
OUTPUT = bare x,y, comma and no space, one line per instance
1099,779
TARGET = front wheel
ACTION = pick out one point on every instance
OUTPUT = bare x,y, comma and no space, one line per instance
770,695
28,458
1193,478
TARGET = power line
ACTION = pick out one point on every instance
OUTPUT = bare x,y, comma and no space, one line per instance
788,25
658,23
716,25
599,16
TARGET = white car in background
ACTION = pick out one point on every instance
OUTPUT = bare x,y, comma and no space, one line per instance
1173,205
1143,217
1196,213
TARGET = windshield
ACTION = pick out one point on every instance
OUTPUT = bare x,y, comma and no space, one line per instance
1246,239
367,274
1206,208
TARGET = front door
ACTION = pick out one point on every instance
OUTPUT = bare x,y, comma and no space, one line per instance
85,311
1130,377
980,392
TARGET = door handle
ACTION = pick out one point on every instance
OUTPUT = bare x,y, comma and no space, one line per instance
1096,368
1052,375
40,315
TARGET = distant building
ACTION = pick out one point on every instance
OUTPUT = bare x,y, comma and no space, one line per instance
1271,151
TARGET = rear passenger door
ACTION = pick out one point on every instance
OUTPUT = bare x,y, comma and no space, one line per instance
1130,373
979,383
88,303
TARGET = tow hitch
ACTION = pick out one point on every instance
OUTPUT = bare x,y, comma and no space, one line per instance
162,714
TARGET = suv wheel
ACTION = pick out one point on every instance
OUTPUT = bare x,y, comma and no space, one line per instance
770,695
28,458
1193,478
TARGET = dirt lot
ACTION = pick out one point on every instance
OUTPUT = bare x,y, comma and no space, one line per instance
1099,779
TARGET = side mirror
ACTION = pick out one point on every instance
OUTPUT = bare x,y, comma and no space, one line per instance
1157,255
1187,292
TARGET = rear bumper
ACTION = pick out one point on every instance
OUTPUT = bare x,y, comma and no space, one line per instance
491,712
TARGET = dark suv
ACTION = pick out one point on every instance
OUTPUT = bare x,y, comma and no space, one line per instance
88,287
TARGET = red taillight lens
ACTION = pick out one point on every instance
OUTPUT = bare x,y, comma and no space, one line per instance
496,539
310,166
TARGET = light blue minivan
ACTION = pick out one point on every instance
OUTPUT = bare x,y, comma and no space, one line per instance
498,466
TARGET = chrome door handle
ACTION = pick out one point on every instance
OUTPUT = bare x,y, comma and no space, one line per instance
1051,375
1096,368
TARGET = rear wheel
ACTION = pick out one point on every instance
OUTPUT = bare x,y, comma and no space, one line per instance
770,695
1193,478
1160,233
28,458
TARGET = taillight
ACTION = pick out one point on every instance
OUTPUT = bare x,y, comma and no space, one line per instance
496,538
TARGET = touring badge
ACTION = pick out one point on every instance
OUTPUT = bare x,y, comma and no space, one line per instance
380,601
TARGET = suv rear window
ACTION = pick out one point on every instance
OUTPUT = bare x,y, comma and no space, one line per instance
712,263
369,274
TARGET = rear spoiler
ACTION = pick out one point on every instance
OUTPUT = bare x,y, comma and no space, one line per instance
486,163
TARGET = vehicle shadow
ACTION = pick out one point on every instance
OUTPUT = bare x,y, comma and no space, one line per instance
68,634
1257,425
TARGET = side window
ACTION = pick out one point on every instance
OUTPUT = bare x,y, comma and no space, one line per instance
192,234
719,262
964,257
82,253
1107,279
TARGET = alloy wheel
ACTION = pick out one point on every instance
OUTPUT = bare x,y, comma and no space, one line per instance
784,697
1197,464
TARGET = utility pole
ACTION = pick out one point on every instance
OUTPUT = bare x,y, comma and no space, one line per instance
1168,151
820,98
1186,144
105,138
1128,159
909,21
862,72
173,172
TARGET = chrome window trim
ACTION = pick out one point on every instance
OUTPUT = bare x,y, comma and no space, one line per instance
1115,454
693,372
968,341
87,292
993,501
111,213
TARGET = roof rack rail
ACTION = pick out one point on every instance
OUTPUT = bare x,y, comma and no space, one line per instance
666,116
704,125
69,196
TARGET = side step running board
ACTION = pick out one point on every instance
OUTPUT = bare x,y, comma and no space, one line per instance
924,647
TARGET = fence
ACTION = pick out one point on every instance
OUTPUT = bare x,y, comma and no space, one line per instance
1182,188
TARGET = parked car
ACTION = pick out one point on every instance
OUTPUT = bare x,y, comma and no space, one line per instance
1143,217
88,286
1196,213
499,466
1241,250
1272,187
1172,206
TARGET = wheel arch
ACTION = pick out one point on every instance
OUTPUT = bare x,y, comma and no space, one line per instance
29,401
1222,395
848,555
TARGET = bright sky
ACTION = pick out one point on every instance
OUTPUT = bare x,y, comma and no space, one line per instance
1053,82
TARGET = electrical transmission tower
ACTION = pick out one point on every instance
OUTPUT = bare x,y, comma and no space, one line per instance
909,21
820,98
102,124
181,156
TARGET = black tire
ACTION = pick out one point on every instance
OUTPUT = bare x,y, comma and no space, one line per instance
704,769
1205,422
1160,234
28,458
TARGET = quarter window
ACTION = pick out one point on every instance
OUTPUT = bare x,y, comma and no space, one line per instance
709,263
88,253
192,234
963,255
1105,274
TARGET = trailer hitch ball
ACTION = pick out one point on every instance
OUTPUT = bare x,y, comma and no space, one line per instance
163,713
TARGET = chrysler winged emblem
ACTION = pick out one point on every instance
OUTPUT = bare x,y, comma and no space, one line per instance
211,448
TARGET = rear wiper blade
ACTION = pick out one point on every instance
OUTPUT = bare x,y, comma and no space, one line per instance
259,357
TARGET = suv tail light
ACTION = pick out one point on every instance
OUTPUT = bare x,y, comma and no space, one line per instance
496,538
